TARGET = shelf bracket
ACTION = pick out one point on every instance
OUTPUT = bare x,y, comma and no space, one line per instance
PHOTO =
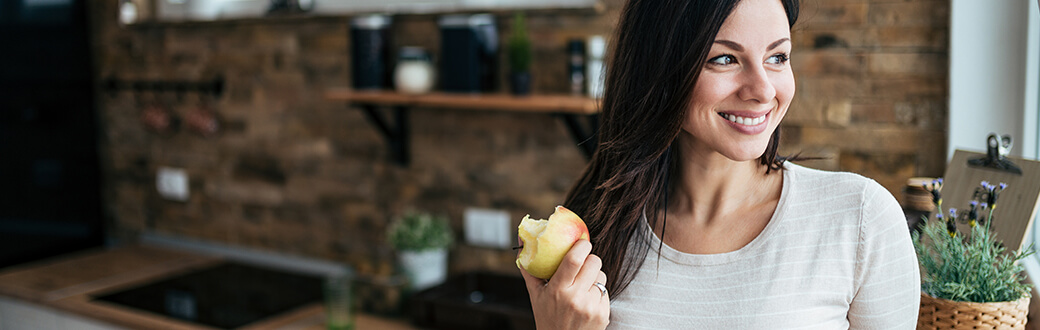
395,134
583,135
396,131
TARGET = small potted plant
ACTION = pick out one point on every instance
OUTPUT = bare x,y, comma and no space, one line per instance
422,241
967,279
520,57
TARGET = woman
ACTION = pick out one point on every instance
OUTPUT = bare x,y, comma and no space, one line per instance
694,219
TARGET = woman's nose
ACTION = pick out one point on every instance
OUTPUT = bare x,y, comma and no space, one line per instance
756,85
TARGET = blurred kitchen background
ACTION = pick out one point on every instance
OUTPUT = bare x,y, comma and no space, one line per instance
229,107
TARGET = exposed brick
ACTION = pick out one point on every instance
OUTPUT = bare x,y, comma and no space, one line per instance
130,203
908,65
824,158
245,192
931,153
902,88
322,43
839,113
296,174
186,42
831,37
274,40
807,111
790,134
826,87
872,111
469,258
925,38
863,138
892,169
833,13
910,13
926,114
829,63
259,167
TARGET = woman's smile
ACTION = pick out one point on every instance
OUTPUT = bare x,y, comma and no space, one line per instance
747,122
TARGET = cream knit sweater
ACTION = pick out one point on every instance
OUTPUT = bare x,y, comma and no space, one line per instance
835,255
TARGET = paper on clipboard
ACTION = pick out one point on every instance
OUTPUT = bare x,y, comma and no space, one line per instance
1018,203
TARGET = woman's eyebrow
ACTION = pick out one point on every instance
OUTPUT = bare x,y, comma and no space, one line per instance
778,43
732,45
737,47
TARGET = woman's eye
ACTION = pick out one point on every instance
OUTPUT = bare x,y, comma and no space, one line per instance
723,60
778,59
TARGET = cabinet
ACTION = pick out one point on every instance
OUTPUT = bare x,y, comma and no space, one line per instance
15,314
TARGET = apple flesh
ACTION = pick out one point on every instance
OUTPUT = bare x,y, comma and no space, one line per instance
545,242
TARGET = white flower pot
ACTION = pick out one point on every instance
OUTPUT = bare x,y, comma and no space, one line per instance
425,268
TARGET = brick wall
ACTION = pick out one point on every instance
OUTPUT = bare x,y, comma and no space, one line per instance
872,88
294,173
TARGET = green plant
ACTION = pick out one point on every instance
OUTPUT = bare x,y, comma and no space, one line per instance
417,231
519,45
970,267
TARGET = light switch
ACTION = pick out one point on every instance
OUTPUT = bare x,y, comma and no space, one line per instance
172,183
487,227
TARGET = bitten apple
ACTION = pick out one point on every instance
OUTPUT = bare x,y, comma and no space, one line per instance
545,242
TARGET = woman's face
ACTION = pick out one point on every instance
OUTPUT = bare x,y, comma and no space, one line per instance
746,86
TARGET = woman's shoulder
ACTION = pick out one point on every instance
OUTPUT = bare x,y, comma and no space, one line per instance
843,195
837,179
834,184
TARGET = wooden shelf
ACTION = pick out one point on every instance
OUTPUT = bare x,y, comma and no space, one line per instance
598,8
568,108
484,102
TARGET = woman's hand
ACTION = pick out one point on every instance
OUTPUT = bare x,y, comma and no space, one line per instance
570,299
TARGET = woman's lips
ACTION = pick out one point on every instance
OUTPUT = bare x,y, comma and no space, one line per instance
750,123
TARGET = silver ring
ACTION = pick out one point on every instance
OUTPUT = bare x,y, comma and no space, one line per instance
602,289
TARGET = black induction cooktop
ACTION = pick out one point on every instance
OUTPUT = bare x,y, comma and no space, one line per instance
228,295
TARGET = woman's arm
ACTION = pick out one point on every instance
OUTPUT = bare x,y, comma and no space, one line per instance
888,280
570,299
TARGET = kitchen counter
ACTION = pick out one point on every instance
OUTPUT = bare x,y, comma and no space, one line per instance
67,283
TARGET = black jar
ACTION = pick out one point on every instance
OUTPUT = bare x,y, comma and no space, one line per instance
370,51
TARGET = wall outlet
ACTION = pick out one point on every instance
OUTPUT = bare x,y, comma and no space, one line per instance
490,228
172,183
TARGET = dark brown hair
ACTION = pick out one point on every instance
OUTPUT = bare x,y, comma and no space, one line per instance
659,49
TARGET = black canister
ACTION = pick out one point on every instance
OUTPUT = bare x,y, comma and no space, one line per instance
370,51
469,53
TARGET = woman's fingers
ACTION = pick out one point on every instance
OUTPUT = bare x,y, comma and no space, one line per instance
589,271
571,264
571,299
602,278
533,283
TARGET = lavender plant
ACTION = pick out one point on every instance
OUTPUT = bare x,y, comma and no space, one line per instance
971,267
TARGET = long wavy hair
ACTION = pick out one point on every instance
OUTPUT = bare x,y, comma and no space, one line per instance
658,52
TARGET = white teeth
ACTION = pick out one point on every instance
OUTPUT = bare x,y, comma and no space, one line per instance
745,120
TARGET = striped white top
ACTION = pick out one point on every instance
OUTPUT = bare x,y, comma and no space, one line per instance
835,255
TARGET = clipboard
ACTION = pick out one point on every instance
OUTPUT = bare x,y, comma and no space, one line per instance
1017,204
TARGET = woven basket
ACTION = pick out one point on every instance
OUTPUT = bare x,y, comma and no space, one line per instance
938,313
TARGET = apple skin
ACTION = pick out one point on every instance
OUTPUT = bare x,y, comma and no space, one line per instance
545,242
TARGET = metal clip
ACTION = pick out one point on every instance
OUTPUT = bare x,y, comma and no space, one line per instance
997,150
